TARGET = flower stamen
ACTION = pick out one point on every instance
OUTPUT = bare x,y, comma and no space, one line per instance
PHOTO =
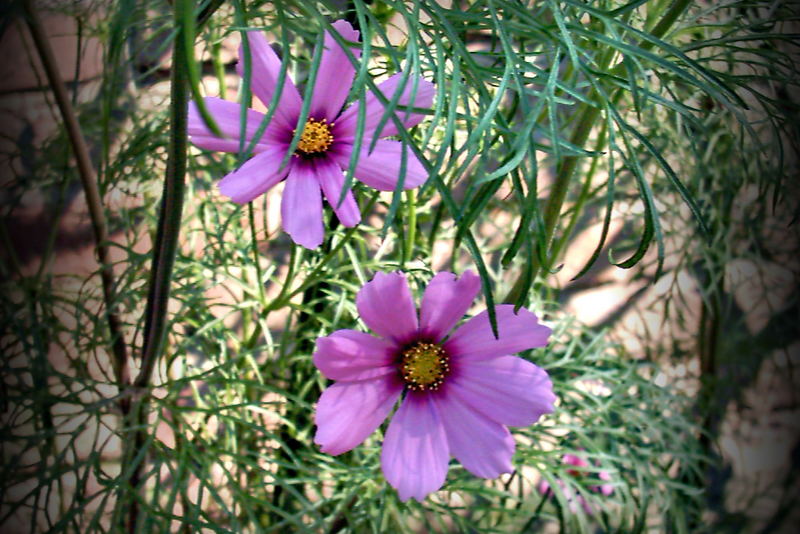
316,137
424,366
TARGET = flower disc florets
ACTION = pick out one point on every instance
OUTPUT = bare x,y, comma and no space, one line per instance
424,366
316,137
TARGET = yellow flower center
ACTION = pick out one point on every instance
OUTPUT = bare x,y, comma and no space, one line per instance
424,366
316,137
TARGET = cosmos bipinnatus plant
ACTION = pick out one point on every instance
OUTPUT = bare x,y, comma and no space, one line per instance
245,357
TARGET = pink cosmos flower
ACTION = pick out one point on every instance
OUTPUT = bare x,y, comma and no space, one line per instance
327,139
459,391
572,497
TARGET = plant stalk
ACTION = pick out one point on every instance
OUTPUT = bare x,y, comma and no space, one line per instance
169,219
164,251
89,183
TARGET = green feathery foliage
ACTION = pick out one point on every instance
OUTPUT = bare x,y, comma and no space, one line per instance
548,116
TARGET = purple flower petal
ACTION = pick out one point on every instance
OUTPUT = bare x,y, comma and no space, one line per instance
605,489
380,169
352,355
415,454
574,460
446,300
484,447
348,412
543,487
301,206
215,144
347,121
256,176
265,69
387,308
227,116
508,389
331,179
335,74
475,340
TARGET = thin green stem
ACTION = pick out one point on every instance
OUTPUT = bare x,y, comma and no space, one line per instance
207,11
219,68
411,227
256,255
169,220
